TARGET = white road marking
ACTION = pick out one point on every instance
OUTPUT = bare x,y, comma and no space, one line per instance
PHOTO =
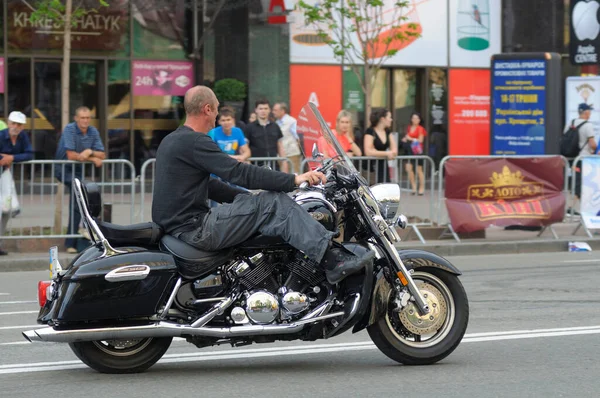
582,261
302,350
24,327
4,294
19,312
16,343
18,302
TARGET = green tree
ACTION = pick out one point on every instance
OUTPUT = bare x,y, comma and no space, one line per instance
64,15
361,33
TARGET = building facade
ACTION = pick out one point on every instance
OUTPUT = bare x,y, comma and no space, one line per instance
132,62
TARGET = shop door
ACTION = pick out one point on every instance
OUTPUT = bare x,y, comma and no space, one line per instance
83,91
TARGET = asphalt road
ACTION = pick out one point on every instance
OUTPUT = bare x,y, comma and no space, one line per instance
534,331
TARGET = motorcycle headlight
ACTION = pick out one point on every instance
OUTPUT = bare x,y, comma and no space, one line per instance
388,196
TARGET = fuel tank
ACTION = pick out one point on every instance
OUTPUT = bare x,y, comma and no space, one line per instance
318,207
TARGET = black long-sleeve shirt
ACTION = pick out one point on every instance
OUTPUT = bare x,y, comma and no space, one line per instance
184,162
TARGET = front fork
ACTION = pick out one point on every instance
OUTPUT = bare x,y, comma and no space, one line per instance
404,276
379,229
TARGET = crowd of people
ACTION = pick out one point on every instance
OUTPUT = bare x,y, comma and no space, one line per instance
272,133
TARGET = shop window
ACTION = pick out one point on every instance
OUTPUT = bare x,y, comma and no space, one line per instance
1,26
118,111
405,88
154,118
437,141
104,32
269,64
379,96
18,89
438,99
160,29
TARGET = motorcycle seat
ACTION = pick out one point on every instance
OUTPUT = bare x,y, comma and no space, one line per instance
261,241
142,234
193,262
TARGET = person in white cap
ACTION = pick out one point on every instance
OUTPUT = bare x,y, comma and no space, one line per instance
14,147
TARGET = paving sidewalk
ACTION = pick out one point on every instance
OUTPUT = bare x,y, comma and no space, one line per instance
39,211
497,241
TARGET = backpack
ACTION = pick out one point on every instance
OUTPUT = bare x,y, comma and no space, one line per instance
569,142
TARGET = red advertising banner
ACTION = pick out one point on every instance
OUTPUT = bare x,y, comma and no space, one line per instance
469,112
501,192
319,84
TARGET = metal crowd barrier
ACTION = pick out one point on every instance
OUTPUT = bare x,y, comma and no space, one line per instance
441,197
375,170
272,163
577,162
44,201
143,182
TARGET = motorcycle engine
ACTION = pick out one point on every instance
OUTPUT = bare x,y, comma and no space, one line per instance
266,299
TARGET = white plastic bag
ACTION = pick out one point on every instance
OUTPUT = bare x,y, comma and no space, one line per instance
8,194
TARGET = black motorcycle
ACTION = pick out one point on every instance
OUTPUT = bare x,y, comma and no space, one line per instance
123,299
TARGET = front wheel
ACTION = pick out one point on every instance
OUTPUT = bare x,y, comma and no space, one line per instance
121,356
411,339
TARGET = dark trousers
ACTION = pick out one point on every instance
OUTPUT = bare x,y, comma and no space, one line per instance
74,218
267,213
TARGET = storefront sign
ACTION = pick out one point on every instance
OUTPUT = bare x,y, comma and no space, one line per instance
162,77
1,75
427,18
485,192
469,108
518,107
103,29
278,10
590,192
475,32
584,34
321,85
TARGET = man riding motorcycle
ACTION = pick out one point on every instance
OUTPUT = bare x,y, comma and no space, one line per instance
184,162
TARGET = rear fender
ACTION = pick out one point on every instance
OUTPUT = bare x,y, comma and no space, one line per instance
412,259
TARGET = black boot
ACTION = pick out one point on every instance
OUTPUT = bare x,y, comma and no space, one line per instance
340,263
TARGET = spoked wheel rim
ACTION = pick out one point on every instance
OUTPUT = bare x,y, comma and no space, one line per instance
122,347
423,331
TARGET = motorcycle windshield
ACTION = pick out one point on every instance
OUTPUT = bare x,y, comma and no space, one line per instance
315,131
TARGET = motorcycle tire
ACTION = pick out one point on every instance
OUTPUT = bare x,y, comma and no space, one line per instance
398,342
121,356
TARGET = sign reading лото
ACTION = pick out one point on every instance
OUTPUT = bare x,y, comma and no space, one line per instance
584,32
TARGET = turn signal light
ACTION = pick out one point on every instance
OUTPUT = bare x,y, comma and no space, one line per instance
43,292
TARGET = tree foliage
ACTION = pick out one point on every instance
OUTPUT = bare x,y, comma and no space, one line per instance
56,10
361,33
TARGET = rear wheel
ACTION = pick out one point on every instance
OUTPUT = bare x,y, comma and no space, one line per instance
121,356
411,339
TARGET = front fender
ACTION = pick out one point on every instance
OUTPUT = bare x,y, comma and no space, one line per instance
412,259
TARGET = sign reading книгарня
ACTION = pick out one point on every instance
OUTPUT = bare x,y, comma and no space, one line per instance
485,192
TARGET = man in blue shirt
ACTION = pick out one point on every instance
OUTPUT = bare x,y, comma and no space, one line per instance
82,143
230,139
15,147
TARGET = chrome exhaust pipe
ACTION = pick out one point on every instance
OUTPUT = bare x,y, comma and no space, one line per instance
166,329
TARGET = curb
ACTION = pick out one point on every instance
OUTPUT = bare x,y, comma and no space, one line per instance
39,262
35,262
501,247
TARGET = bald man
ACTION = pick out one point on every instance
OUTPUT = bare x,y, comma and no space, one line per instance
184,162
